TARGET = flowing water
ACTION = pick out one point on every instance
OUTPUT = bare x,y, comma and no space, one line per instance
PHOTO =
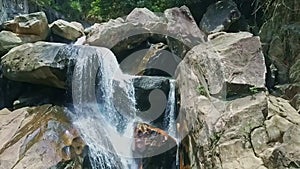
170,117
105,114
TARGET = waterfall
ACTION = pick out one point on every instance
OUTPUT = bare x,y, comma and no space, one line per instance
170,117
104,121
105,107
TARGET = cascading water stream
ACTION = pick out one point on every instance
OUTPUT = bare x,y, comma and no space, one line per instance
105,125
104,103
170,117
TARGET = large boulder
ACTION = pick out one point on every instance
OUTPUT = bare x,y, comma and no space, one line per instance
29,24
8,40
230,62
38,137
251,130
39,63
8,9
142,24
68,30
27,28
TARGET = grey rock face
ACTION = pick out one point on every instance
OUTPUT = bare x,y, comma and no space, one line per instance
228,60
141,24
251,131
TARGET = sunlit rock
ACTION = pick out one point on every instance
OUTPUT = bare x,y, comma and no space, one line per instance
68,30
31,137
176,26
230,62
29,24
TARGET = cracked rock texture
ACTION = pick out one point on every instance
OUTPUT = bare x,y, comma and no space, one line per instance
36,138
250,130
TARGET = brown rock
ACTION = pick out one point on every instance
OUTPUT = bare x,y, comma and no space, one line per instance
30,137
29,24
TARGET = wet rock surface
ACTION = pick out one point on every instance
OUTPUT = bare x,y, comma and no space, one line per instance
151,143
34,137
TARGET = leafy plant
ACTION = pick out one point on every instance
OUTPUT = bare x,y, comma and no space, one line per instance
201,90
253,90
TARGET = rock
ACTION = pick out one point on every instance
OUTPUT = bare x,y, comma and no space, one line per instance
29,24
295,102
35,63
152,98
233,154
141,24
150,140
45,63
196,116
70,31
281,107
239,132
220,16
31,137
154,146
139,63
8,40
229,61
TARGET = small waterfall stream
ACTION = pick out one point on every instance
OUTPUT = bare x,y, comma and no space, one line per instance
170,117
105,113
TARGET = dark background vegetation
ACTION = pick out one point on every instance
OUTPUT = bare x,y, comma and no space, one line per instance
103,10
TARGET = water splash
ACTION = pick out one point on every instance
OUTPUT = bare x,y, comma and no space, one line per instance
104,103
170,117
104,122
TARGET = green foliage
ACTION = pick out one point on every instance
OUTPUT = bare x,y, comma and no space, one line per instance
201,90
253,90
106,9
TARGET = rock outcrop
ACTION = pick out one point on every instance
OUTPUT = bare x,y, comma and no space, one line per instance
177,24
29,24
229,62
223,116
36,63
248,131
27,28
36,137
